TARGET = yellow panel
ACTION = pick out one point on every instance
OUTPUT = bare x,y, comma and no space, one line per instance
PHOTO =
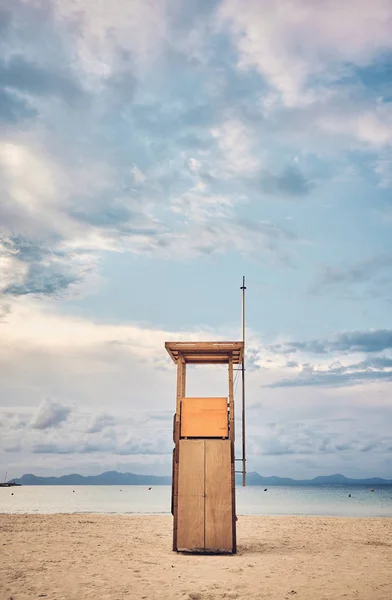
190,522
204,417
219,521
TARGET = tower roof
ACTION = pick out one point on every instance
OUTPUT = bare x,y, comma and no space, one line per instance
206,352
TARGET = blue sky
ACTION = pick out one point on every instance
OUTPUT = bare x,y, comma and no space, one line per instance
153,152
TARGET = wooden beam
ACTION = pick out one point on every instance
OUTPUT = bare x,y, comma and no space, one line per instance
208,358
232,439
183,380
212,350
180,385
183,346
231,400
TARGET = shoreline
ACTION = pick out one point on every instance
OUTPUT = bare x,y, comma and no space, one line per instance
169,515
113,557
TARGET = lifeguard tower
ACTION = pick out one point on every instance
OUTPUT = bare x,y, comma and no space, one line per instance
203,485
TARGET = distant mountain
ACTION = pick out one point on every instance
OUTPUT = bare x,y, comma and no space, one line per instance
107,478
253,478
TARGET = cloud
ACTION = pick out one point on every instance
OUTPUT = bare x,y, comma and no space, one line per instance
364,341
352,341
372,269
30,268
290,182
131,445
371,126
318,437
139,433
117,359
333,378
72,211
50,414
336,367
336,374
42,283
297,43
13,109
235,141
383,168
139,27
25,77
100,422
73,443
153,445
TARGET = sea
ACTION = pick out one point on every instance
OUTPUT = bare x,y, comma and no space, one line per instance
334,500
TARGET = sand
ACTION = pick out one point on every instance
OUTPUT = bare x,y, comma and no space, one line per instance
115,557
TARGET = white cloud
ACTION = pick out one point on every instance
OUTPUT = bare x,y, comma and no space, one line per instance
372,127
293,41
50,414
32,191
383,168
236,143
100,422
104,31
38,193
89,363
38,324
194,164
138,176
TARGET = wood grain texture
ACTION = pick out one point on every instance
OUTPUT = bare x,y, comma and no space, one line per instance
176,436
190,517
232,452
204,417
218,501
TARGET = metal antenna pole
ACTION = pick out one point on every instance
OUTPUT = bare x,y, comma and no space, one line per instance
243,288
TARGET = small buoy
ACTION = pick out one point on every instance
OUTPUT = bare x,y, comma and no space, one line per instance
349,495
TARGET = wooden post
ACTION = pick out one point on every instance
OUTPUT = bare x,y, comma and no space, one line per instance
179,386
177,423
232,440
183,380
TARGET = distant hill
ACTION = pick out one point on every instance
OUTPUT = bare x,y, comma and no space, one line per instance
253,479
107,478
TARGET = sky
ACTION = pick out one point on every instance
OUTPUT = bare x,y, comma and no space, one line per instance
152,152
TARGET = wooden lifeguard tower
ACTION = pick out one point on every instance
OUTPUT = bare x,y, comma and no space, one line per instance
203,485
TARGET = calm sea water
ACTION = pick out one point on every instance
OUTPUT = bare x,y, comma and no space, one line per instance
325,500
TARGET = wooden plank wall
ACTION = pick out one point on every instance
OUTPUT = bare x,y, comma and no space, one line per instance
191,496
218,500
204,417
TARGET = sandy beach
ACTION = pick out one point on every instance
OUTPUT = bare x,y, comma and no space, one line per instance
76,557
